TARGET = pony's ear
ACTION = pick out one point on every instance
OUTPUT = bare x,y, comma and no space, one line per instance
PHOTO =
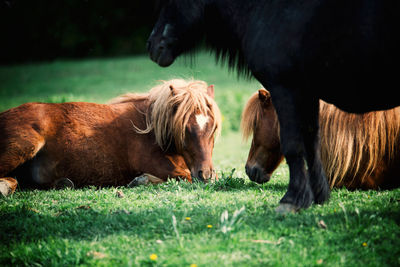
172,90
264,96
210,90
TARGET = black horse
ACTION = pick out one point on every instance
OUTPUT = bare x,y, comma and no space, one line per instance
345,52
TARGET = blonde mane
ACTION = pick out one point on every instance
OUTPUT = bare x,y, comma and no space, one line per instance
170,110
352,145
128,97
251,115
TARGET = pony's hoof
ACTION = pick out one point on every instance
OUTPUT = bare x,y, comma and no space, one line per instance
321,198
8,186
5,190
64,183
140,180
286,208
322,195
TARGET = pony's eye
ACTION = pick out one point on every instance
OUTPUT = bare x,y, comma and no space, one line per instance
192,132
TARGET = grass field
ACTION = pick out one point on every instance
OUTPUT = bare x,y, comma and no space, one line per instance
228,223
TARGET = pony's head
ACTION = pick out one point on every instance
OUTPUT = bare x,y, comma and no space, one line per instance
177,29
183,25
260,120
184,117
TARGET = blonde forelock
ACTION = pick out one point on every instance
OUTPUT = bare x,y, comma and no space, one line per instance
171,105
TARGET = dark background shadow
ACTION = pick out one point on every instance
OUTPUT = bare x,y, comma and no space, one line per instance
46,29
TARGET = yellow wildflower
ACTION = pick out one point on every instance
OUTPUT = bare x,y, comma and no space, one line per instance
187,218
193,265
153,257
209,226
364,244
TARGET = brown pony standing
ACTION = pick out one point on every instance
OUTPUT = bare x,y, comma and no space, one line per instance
168,132
357,151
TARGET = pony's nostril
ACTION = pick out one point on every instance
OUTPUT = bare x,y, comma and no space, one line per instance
162,45
205,174
254,174
251,172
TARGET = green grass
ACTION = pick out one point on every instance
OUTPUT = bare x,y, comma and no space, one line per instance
93,227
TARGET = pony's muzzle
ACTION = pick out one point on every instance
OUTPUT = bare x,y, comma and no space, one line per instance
257,174
160,49
206,175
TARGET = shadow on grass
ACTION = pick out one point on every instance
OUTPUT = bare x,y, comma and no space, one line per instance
242,184
83,222
24,224
276,187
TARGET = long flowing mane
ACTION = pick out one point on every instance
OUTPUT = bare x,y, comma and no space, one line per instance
171,104
251,115
353,144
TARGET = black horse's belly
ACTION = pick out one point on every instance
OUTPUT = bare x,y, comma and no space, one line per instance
348,58
354,87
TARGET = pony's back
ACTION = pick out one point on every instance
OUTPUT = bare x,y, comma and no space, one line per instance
354,147
42,142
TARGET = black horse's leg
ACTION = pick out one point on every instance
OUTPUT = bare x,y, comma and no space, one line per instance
318,181
291,114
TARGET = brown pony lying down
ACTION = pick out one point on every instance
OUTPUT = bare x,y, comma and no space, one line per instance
358,151
168,132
